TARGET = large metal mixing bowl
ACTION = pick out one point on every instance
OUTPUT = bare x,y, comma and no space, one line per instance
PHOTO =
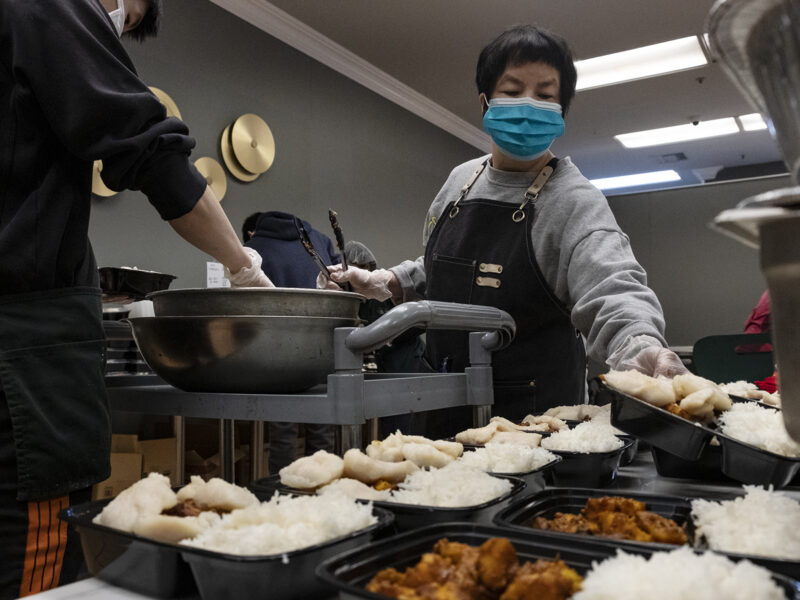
239,354
290,302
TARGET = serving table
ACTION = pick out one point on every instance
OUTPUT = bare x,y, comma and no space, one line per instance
640,475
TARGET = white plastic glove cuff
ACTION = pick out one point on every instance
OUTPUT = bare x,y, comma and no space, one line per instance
620,359
251,276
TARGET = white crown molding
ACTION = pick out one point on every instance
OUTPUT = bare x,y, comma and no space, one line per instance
279,24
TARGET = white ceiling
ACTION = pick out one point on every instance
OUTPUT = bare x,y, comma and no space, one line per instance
432,46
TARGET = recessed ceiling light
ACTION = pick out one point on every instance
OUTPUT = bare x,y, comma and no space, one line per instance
752,122
623,181
679,133
639,63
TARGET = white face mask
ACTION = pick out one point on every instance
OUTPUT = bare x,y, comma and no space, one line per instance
118,17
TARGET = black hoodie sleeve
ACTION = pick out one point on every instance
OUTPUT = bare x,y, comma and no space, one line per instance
67,55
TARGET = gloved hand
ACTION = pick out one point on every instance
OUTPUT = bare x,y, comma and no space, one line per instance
372,284
646,355
251,276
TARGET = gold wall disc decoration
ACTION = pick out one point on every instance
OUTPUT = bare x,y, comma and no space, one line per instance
98,186
253,144
230,161
169,103
215,176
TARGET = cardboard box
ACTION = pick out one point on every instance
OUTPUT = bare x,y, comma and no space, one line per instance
132,459
160,456
126,467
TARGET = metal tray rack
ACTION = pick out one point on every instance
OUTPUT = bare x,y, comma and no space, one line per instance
350,398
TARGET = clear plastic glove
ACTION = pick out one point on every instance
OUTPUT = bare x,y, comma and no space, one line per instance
646,355
251,276
372,284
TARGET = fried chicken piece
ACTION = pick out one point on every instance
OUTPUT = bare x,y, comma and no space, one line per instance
618,504
621,526
497,563
566,523
431,568
678,411
543,580
662,530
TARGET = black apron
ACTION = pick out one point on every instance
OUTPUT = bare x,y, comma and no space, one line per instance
52,363
480,252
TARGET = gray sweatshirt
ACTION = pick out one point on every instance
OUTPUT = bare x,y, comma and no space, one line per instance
584,256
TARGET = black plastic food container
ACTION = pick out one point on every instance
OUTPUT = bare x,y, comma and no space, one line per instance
629,454
749,464
412,516
588,469
708,467
286,576
521,513
145,566
351,571
655,425
534,479
132,283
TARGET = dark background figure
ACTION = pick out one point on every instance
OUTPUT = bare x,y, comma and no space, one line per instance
403,355
276,239
759,320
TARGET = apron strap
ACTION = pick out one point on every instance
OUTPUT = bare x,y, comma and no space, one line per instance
467,186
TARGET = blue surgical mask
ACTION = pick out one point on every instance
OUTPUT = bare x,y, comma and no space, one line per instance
523,128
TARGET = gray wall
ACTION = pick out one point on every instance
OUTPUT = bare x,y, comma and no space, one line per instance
338,145
342,146
707,282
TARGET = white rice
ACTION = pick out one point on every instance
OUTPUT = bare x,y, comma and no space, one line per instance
507,458
455,485
762,427
284,524
593,436
762,522
677,575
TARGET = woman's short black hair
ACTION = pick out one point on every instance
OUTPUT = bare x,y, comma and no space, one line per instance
149,25
524,44
249,225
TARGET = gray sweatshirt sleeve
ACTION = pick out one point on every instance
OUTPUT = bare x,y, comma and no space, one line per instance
589,263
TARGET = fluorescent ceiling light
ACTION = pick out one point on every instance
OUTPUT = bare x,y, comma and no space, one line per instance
647,61
752,122
610,183
678,133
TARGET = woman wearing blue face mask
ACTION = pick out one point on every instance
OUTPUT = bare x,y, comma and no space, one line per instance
524,231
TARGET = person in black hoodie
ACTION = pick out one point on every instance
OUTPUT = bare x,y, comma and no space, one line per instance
70,95
287,264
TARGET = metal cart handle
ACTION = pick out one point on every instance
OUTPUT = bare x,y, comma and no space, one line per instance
436,315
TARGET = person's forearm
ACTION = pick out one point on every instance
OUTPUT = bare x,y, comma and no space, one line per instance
207,228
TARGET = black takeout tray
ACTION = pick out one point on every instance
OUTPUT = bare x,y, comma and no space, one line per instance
135,563
708,467
134,284
520,514
165,570
753,465
588,469
655,425
412,516
286,576
351,571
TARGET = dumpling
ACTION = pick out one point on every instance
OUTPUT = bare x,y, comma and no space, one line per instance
656,391
368,470
310,472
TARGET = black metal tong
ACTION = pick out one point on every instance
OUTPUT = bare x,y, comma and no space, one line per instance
306,241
